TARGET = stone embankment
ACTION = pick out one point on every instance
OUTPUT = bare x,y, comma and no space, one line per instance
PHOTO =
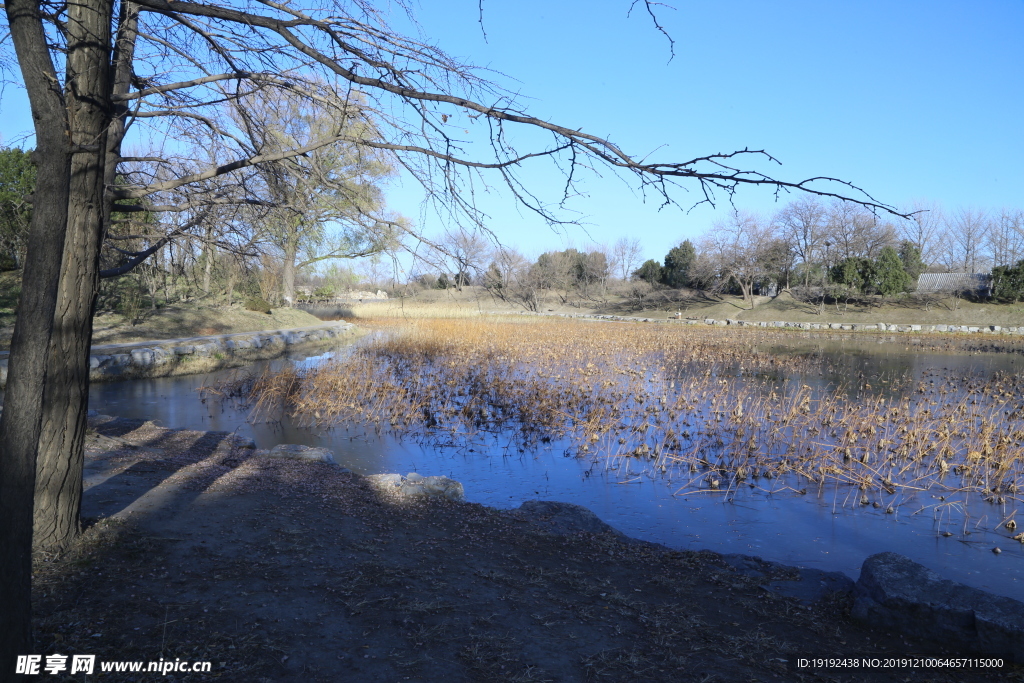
850,327
200,354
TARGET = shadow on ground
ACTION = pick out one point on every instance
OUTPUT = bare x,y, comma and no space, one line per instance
296,571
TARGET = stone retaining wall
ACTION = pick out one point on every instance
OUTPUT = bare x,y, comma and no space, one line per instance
199,354
855,327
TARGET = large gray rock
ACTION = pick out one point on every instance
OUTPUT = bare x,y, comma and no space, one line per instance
297,452
563,518
894,592
431,487
415,485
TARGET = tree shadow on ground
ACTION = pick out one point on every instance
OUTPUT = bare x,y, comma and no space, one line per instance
298,571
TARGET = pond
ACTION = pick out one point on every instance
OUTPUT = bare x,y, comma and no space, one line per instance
814,526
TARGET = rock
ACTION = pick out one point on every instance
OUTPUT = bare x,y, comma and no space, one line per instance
297,452
243,442
811,585
432,487
142,357
385,481
444,487
894,592
562,519
411,490
415,485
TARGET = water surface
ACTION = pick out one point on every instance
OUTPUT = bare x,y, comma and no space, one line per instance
813,530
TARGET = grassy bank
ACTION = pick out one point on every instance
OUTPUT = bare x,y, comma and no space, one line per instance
173,322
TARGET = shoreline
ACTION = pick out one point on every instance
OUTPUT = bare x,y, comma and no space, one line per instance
221,534
197,355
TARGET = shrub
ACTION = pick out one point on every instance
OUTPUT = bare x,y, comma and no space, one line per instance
257,304
325,292
1008,282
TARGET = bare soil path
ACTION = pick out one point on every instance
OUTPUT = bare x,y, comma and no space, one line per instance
293,571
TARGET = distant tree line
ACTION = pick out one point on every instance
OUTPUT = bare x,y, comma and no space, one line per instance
841,250
815,249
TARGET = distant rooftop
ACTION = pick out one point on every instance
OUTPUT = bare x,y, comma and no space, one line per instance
979,283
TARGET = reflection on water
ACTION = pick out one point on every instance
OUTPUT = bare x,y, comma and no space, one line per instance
820,529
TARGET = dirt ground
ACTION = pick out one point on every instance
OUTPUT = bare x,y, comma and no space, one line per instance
293,571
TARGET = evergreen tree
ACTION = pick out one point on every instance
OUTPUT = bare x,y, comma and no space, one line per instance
676,272
493,278
853,272
910,255
650,272
890,276
1008,282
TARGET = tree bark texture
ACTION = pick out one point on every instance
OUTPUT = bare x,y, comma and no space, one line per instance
22,416
207,259
58,490
291,250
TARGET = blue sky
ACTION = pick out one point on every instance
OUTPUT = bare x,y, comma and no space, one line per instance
910,100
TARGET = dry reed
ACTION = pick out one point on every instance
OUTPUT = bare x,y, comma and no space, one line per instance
700,407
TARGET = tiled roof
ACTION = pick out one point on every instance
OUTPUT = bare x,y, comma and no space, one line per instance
953,282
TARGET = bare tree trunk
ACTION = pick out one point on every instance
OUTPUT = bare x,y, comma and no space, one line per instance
207,258
23,411
58,490
162,260
291,248
229,293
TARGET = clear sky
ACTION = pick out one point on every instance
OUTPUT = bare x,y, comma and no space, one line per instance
911,100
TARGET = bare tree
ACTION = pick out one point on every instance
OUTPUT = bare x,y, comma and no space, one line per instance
328,203
625,257
854,231
96,70
966,239
1006,238
374,270
924,228
743,247
802,224
511,278
465,252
